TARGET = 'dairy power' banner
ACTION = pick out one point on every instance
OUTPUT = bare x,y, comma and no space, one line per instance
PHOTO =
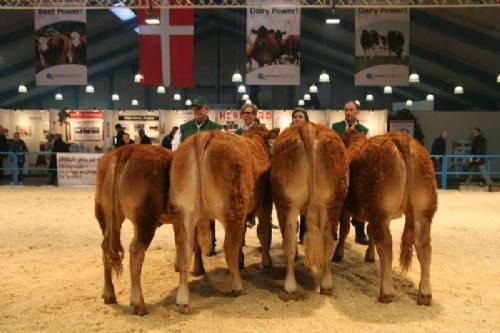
61,47
273,44
382,46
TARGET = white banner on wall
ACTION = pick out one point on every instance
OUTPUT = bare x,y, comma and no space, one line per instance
61,46
382,44
77,169
273,44
86,125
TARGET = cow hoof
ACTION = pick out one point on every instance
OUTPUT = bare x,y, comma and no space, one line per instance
140,310
369,259
198,272
235,293
424,299
385,299
337,258
326,291
111,299
183,308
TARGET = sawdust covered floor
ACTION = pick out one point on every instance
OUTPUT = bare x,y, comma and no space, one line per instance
51,276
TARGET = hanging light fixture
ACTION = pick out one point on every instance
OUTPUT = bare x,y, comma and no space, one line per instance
59,97
358,103
22,89
115,97
245,97
459,90
414,78
409,102
429,97
369,98
177,97
300,102
498,78
160,90
387,90
89,89
242,89
324,77
248,101
332,17
138,78
307,97
188,102
313,89
237,77
135,102
151,17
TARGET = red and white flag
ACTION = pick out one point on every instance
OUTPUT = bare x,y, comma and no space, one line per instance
166,50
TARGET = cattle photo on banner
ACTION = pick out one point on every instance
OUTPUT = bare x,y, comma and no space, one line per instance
61,47
382,46
166,50
273,44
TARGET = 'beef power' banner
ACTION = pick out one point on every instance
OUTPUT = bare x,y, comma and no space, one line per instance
61,47
273,44
382,46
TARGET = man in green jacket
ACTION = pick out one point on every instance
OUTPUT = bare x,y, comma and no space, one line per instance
351,111
199,123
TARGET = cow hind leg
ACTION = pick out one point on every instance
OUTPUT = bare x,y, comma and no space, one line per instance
264,235
383,242
144,230
290,245
345,225
184,225
423,247
232,246
370,251
326,278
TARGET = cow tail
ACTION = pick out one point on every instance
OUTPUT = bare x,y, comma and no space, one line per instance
403,143
203,234
313,239
114,252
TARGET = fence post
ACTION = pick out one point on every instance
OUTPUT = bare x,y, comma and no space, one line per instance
444,171
15,169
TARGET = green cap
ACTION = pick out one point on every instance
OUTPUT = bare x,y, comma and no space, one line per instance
199,101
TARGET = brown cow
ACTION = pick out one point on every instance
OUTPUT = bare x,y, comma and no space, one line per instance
391,175
309,173
132,183
218,175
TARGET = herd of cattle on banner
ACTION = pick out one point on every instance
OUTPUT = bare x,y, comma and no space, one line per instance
55,48
375,44
312,171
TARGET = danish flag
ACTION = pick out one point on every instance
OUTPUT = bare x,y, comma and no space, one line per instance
166,50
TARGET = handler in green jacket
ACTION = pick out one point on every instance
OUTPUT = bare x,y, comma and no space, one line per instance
351,111
199,123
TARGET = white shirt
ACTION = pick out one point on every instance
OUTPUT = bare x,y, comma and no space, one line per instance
176,141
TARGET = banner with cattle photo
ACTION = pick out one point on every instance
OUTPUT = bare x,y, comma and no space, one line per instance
273,44
382,46
61,47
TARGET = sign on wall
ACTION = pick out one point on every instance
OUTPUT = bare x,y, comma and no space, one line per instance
86,125
61,46
382,46
273,44
135,120
77,169
233,120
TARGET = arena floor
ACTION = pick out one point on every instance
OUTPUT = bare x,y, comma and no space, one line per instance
51,277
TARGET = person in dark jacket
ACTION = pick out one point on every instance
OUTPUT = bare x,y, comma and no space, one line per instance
119,135
167,140
439,148
59,146
18,146
145,140
4,147
477,163
351,111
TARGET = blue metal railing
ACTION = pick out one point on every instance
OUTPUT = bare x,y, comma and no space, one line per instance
13,158
445,165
